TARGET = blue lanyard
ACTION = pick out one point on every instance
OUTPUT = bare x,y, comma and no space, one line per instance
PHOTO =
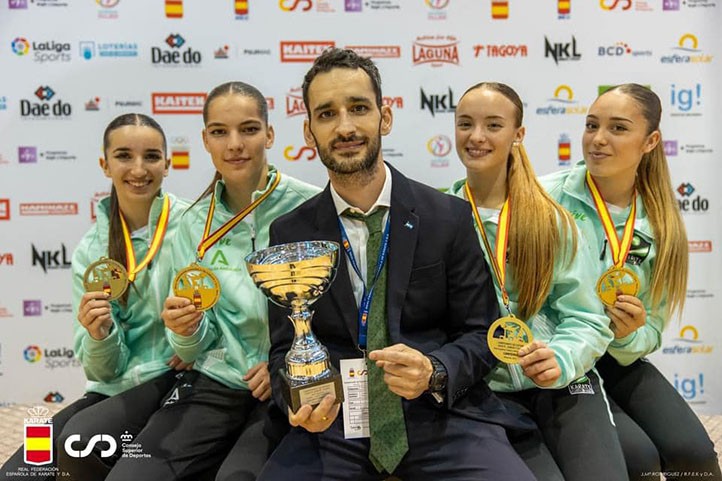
368,292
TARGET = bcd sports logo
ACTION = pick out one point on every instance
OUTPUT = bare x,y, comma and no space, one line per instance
38,438
687,51
292,154
178,103
562,103
621,49
44,110
436,50
306,51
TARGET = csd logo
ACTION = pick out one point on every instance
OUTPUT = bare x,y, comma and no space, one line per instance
308,151
283,4
98,438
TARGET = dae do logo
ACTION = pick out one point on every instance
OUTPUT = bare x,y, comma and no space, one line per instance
46,108
175,55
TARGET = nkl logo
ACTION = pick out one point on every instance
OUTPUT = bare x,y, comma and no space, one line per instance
561,52
290,153
58,109
438,103
687,203
685,99
51,259
188,57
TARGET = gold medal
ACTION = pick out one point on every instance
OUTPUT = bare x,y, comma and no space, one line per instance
506,336
199,285
616,281
106,275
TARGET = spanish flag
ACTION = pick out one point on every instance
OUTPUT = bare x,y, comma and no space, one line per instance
38,444
499,10
565,149
174,8
180,159
241,7
564,7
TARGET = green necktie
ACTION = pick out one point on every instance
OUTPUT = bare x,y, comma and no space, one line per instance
386,416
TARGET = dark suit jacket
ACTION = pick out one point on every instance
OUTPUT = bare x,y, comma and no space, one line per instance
440,296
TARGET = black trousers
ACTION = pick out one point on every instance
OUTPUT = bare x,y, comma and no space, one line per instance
442,446
576,425
658,430
189,436
15,463
118,416
248,456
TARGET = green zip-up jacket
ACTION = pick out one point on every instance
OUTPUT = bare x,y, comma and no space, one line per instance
136,349
571,320
233,335
569,188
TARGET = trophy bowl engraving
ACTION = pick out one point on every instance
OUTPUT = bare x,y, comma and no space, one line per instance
294,276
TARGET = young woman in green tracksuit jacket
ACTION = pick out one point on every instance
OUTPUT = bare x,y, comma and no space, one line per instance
623,186
228,343
121,344
532,238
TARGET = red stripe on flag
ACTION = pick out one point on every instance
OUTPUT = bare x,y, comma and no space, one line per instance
37,431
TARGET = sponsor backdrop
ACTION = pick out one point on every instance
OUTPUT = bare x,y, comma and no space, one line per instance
70,67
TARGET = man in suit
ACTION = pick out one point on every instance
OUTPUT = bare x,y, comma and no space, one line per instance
428,297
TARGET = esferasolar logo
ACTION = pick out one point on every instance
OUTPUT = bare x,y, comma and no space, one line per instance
687,51
563,103
688,342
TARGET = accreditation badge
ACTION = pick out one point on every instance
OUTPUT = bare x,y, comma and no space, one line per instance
616,281
199,285
106,275
506,336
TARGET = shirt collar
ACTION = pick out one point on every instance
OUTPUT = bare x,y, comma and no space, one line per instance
384,199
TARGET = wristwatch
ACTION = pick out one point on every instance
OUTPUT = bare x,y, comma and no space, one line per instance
439,376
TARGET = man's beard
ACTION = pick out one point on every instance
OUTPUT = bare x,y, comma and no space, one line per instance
346,166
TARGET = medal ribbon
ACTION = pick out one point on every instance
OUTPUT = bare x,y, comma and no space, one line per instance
498,257
620,249
155,243
209,239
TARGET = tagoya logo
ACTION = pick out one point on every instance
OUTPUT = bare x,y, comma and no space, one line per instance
292,51
178,103
502,51
436,50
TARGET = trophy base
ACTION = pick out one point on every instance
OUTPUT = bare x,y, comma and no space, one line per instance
313,392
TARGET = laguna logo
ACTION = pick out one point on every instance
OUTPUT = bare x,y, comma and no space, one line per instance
292,51
294,103
178,103
436,50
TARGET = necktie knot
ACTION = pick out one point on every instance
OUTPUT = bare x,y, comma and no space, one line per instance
373,221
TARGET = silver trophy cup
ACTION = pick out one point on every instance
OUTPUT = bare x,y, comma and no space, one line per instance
294,276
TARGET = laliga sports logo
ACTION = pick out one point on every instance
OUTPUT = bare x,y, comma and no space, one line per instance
292,5
439,145
626,5
288,153
20,46
32,353
98,438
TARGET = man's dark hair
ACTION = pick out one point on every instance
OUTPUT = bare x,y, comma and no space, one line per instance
342,58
